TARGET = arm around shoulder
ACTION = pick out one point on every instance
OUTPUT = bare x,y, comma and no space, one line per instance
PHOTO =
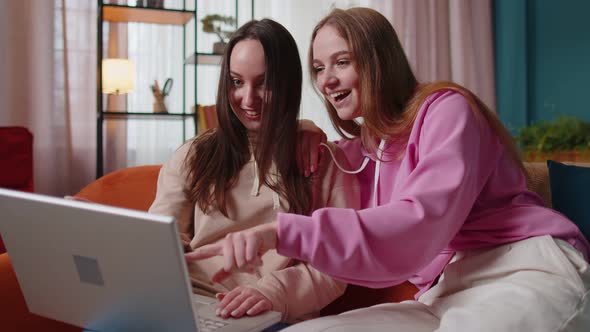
332,186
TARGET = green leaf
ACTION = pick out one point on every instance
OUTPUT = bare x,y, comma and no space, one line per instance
563,134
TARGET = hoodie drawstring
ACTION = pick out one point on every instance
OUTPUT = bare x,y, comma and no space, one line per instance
276,202
377,169
256,185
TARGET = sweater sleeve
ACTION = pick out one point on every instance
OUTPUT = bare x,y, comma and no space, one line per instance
449,155
301,290
170,197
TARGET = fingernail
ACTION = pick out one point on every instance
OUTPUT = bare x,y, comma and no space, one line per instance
217,312
224,312
234,313
249,312
312,168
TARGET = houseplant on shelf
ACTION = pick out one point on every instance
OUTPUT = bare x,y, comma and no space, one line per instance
565,139
215,24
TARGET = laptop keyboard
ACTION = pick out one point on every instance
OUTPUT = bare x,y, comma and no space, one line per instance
209,325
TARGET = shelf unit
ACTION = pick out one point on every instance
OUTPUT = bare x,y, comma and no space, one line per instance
201,58
180,17
126,14
204,59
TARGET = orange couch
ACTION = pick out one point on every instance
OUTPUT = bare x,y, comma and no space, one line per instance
135,188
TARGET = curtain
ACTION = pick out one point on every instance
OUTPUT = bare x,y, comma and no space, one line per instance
48,54
447,40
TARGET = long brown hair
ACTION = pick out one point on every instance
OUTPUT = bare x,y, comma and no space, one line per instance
217,156
385,74
390,95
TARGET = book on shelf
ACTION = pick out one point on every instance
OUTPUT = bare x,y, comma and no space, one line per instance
206,117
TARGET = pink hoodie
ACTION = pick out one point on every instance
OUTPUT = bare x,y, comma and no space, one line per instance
454,189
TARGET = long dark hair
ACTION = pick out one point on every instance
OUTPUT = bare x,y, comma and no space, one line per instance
217,156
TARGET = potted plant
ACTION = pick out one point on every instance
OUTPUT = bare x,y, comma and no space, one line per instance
218,24
565,139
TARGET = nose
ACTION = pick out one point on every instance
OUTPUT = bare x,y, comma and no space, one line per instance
250,97
327,79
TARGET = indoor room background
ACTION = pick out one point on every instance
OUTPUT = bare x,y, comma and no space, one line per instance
527,60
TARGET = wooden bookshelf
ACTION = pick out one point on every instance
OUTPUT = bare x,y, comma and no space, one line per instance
112,13
118,13
204,59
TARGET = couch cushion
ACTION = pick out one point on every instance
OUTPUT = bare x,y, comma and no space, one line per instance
569,190
131,188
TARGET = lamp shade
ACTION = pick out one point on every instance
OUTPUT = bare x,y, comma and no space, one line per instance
118,76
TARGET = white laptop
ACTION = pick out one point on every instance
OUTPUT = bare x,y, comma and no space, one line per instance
106,269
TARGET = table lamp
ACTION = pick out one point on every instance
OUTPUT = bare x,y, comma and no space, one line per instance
118,76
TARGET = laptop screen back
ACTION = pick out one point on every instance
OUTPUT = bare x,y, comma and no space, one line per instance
96,266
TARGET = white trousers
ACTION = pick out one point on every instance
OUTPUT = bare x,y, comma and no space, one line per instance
538,284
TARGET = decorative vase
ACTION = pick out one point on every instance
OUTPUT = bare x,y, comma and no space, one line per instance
219,47
155,3
160,106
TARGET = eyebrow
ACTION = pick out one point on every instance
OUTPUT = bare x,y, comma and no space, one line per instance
335,55
233,73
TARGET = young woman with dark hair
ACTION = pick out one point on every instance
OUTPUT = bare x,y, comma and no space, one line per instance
244,172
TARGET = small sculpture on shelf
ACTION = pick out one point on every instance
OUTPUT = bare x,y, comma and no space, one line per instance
160,95
213,24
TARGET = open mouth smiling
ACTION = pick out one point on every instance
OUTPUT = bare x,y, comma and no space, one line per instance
252,115
338,96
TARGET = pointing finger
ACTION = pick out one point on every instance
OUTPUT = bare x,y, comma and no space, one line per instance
206,251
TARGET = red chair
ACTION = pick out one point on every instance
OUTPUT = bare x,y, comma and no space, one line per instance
16,161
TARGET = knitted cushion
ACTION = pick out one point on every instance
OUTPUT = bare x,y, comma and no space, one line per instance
538,180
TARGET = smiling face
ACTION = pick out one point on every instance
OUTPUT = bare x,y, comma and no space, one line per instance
247,68
336,76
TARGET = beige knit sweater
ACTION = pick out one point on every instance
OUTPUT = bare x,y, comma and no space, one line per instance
296,289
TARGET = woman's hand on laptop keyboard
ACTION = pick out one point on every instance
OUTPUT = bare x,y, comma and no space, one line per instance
241,251
242,301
